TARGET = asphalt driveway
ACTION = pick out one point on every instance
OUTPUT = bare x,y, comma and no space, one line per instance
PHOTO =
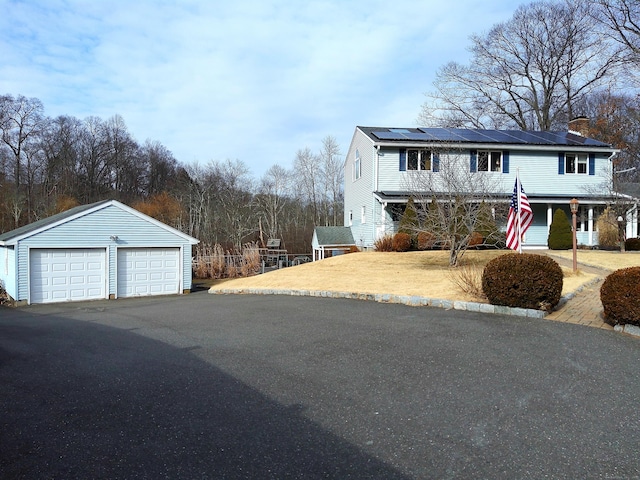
274,387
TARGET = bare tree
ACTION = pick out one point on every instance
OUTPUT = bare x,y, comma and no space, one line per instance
21,120
307,174
160,167
451,203
526,73
333,176
622,17
271,199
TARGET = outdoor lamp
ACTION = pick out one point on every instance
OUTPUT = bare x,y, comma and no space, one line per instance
574,205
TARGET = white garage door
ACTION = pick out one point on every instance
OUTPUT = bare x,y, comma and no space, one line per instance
148,271
63,275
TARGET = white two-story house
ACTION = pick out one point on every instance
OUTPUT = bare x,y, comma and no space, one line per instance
553,167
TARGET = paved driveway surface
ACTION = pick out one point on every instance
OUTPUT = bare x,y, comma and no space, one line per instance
271,387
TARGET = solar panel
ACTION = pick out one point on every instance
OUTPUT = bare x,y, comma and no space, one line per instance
442,134
419,136
461,135
389,136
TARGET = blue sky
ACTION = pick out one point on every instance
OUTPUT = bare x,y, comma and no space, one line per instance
249,80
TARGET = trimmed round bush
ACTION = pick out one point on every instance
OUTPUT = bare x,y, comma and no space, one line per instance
632,244
401,242
524,280
620,297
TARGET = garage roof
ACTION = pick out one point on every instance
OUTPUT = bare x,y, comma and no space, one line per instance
13,236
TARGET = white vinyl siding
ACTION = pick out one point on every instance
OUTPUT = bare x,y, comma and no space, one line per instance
360,193
8,271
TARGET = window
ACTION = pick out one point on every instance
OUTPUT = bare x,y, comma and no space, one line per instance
418,159
363,215
489,161
357,166
576,163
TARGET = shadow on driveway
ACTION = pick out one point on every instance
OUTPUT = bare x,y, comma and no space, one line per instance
83,400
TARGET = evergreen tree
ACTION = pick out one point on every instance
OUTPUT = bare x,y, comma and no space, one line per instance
560,234
409,220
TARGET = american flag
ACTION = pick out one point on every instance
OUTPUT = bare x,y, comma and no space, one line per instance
517,224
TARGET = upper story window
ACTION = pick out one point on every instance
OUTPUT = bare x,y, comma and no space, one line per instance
576,163
418,159
357,166
489,161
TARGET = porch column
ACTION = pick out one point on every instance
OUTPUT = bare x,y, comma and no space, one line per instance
549,216
590,220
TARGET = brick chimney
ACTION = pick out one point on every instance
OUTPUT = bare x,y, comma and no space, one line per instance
579,126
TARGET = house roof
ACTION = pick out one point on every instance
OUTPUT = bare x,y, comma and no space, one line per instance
478,136
334,236
25,231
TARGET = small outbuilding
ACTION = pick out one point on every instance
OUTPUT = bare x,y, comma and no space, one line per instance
97,251
331,241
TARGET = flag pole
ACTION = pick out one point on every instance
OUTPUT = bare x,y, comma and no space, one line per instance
519,212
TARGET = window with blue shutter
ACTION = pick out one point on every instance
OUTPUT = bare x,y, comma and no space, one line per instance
473,162
592,164
436,162
403,159
560,163
505,161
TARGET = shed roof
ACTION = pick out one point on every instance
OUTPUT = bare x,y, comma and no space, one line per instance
49,222
334,236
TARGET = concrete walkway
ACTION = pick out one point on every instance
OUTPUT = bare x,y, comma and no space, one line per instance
584,308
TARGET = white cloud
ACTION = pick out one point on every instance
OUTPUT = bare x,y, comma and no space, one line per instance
248,80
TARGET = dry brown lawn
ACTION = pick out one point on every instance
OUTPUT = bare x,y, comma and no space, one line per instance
424,274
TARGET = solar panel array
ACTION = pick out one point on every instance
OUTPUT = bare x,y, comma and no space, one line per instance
461,135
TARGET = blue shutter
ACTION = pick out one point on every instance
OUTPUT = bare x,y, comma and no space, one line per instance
436,162
592,164
403,159
505,161
473,164
560,163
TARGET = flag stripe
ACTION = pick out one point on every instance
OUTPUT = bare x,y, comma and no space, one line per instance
526,217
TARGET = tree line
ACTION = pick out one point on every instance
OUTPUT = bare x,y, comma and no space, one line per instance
48,165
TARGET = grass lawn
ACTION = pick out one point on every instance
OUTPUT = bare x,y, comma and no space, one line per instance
412,273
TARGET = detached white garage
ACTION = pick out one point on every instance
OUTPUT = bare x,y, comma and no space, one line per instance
97,251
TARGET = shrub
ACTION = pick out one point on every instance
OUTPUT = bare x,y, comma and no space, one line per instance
384,244
426,240
401,242
523,280
560,234
607,227
476,239
620,297
468,278
632,244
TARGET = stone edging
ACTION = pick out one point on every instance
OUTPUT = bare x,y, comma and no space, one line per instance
414,301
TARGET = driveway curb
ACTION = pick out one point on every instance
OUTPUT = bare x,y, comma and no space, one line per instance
414,301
